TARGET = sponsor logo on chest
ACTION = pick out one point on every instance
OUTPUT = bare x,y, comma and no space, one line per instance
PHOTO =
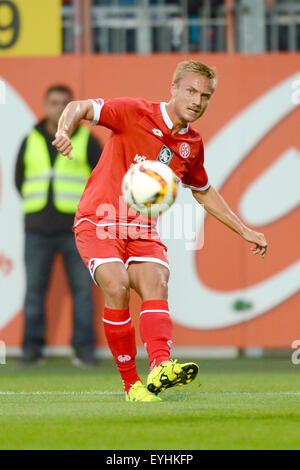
138,159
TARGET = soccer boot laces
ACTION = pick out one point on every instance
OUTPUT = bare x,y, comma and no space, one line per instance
170,374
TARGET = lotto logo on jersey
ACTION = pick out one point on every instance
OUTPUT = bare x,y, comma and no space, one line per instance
165,155
184,150
157,132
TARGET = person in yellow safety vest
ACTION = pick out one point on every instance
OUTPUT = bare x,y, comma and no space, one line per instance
51,187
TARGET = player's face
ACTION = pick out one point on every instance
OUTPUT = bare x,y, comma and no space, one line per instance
55,104
191,96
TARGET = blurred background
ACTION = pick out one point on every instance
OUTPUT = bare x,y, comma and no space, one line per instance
224,301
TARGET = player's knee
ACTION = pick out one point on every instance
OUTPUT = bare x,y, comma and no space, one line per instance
163,286
157,289
120,291
117,291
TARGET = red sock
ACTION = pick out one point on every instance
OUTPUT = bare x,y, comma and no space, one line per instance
156,330
119,332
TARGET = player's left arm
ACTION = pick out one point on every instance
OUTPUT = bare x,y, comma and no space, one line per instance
216,206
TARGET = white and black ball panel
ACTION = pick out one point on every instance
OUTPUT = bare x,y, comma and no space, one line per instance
147,182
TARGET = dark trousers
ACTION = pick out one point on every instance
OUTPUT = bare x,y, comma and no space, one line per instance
39,255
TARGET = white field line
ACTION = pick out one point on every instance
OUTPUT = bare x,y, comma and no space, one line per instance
106,392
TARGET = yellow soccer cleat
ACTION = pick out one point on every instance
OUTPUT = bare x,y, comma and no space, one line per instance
139,392
170,374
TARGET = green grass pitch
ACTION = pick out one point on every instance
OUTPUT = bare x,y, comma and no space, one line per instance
241,404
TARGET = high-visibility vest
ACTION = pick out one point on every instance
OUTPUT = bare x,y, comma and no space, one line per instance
68,176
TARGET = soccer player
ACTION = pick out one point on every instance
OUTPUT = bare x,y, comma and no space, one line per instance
121,249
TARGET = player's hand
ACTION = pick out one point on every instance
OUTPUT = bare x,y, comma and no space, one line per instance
63,144
259,241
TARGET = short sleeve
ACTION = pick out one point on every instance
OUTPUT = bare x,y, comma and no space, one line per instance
113,113
195,176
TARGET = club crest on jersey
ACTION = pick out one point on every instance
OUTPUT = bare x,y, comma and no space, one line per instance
124,358
165,155
185,150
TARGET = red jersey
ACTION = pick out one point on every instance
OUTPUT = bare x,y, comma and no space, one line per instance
141,130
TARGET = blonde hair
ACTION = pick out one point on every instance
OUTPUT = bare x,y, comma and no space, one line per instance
197,67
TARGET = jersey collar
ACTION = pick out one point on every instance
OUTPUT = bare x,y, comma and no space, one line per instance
168,121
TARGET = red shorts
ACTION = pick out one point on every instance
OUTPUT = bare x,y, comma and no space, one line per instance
100,245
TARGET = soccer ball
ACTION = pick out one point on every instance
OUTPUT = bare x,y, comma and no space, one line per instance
149,188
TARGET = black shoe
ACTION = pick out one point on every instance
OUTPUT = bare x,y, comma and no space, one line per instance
84,358
32,359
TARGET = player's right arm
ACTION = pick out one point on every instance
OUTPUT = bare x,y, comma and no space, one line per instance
215,205
73,113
